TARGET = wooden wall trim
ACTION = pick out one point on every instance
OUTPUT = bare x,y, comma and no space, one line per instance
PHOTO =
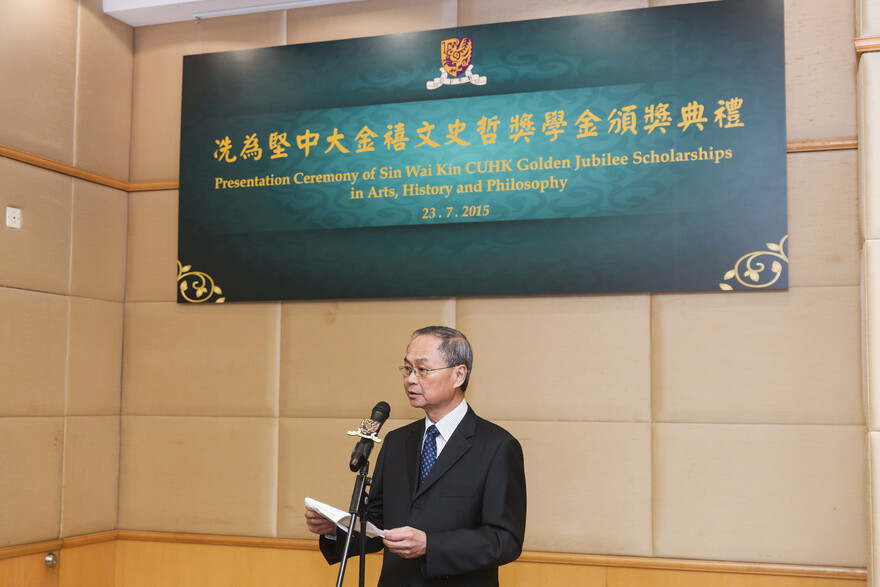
812,571
33,548
671,564
90,176
72,542
555,558
152,186
822,145
809,571
867,45
173,184
219,540
86,539
63,168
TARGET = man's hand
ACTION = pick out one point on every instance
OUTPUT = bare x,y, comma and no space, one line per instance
318,524
406,542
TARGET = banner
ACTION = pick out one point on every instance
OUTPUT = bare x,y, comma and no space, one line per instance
633,151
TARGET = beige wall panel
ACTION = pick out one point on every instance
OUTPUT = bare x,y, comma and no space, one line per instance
313,462
205,475
31,497
873,491
758,357
869,144
103,100
340,358
97,260
758,493
152,564
93,565
209,360
565,358
589,486
33,353
367,19
91,475
820,67
36,256
823,219
38,42
871,332
151,255
606,508
472,12
158,80
868,18
94,363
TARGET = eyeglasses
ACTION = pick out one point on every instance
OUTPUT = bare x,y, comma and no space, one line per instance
421,372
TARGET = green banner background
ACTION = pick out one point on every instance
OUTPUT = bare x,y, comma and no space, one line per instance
665,224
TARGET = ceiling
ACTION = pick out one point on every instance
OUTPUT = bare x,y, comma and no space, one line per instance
146,12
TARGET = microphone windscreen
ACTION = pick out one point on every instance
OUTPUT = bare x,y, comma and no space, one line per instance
381,412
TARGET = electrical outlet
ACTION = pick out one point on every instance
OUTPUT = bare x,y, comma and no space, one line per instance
13,217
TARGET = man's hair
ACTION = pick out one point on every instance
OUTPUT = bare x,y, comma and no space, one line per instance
454,347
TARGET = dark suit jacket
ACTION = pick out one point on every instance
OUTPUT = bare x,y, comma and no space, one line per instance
472,506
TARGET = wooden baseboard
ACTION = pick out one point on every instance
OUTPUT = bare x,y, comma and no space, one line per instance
548,558
124,558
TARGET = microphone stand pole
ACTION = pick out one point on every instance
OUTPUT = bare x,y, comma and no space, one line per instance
357,509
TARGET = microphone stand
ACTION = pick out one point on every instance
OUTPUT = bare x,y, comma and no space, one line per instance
360,459
357,509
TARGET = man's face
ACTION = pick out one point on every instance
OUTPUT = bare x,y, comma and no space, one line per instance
436,392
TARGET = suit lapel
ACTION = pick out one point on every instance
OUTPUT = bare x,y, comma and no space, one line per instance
413,448
455,448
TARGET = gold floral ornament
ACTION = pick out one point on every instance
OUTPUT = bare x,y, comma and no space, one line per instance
195,285
749,270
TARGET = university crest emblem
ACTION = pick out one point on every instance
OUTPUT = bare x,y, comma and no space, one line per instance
368,429
456,55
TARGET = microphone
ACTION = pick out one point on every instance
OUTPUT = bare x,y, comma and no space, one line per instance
367,432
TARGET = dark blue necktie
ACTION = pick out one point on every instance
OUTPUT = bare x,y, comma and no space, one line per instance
429,453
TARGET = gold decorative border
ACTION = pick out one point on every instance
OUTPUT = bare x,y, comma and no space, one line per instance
748,268
201,283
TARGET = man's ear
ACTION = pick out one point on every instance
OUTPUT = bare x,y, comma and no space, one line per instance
460,375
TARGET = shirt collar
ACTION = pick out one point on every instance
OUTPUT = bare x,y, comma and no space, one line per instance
448,423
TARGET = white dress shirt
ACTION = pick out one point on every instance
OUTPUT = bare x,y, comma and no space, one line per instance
446,425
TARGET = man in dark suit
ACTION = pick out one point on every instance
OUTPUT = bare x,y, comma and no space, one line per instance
449,490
